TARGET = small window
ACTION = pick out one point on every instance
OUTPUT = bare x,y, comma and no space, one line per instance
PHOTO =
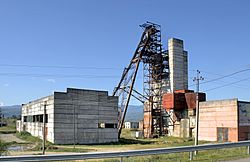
25,119
107,125
35,118
29,118
110,125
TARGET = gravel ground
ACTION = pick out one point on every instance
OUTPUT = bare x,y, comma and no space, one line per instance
10,138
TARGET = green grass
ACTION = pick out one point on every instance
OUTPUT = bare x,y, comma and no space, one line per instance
28,137
4,146
8,129
209,156
129,143
62,149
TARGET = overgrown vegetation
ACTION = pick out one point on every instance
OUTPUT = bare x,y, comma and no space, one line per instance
26,136
7,129
10,128
4,146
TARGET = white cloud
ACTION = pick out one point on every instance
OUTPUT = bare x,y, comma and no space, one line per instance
51,80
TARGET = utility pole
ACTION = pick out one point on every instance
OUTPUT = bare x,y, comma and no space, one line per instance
74,117
197,79
44,126
1,117
1,120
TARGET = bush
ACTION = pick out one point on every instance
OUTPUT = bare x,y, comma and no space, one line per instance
28,137
24,133
3,147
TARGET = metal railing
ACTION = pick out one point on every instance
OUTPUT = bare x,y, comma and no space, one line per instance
122,154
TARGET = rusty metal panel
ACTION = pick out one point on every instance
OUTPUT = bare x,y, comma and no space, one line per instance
191,99
179,101
175,101
183,91
168,101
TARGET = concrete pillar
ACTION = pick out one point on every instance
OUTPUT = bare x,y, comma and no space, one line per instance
178,65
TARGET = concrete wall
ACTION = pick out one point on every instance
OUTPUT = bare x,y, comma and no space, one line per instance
178,65
19,127
222,114
80,113
37,108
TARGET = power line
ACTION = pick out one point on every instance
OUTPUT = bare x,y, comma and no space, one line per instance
58,67
244,87
237,72
227,84
225,76
56,75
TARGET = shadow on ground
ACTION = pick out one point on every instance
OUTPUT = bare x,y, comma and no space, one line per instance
125,141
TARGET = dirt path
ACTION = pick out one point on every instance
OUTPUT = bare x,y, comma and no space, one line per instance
239,160
11,138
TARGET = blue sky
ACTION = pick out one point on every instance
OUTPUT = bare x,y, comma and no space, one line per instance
101,36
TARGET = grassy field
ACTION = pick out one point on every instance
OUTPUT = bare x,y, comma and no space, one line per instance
129,143
10,128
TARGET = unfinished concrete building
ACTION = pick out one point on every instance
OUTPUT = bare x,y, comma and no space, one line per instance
224,120
77,116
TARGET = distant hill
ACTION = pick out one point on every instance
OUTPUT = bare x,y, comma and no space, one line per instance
134,113
10,111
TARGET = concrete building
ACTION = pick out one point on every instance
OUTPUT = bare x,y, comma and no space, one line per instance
131,125
224,120
76,116
178,65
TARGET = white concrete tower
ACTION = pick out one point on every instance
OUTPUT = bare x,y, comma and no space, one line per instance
178,65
